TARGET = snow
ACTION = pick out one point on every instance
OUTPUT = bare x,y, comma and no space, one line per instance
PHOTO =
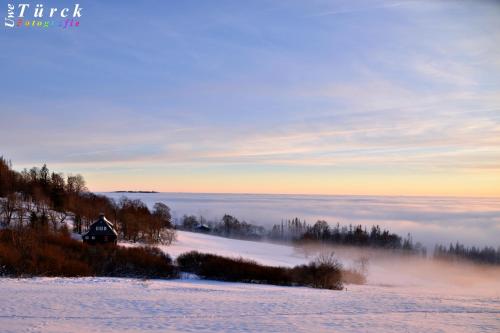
402,295
264,253
112,305
383,270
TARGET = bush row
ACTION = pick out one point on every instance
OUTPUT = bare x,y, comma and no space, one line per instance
209,266
32,252
39,252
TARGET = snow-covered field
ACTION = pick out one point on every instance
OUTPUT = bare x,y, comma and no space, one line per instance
105,305
264,253
383,269
401,296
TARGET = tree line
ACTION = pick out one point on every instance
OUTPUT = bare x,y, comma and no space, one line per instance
457,251
297,231
351,235
300,232
40,198
229,226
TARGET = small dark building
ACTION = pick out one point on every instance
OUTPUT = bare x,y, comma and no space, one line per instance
203,228
100,232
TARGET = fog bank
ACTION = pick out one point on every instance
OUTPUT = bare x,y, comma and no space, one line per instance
431,220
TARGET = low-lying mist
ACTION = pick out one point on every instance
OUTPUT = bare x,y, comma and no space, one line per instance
391,269
430,220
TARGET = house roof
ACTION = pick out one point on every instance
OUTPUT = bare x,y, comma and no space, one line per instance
203,226
101,227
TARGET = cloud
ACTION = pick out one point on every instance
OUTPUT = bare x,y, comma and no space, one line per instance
406,88
360,8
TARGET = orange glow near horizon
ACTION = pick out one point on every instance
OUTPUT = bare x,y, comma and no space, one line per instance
473,185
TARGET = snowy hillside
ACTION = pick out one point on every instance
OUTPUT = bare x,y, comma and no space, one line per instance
122,305
264,253
402,295
383,269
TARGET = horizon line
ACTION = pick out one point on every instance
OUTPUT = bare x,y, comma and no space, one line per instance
303,194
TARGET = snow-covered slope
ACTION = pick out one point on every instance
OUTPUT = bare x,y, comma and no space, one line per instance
123,305
402,295
383,269
265,253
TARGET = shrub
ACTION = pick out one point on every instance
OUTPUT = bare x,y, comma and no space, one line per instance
29,252
357,273
353,276
228,269
324,272
148,262
316,274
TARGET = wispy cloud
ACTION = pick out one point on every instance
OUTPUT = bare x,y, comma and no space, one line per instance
360,7
403,87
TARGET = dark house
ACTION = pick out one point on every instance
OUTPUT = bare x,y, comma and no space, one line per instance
203,228
100,232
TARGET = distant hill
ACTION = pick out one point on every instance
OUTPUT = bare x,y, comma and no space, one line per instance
135,192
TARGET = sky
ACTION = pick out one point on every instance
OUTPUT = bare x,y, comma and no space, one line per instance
313,97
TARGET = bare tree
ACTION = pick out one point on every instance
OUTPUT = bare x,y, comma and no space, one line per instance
76,184
9,206
29,204
328,259
54,219
168,236
44,174
189,222
361,265
42,202
21,212
162,212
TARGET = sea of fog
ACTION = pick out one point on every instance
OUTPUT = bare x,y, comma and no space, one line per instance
430,220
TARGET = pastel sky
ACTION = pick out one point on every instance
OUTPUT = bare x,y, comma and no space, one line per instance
312,96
